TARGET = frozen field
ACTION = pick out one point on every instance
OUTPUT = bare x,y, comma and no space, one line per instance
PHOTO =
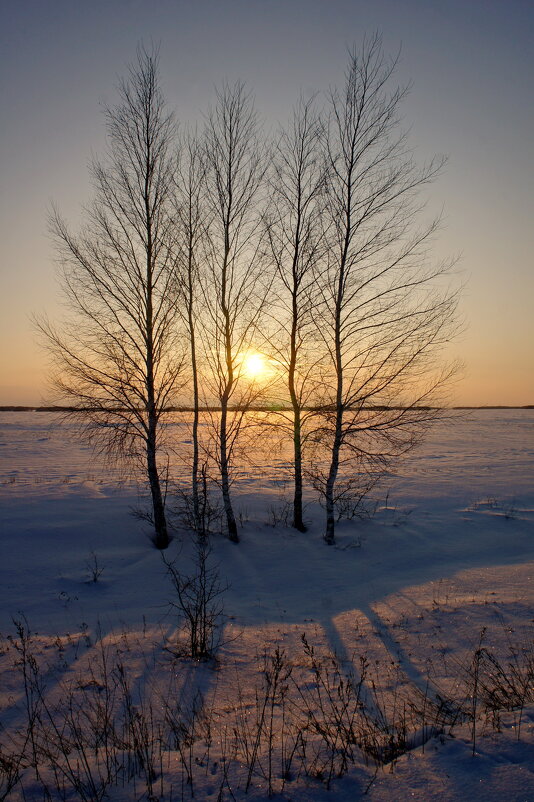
430,601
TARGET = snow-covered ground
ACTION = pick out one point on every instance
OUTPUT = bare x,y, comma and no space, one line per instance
434,592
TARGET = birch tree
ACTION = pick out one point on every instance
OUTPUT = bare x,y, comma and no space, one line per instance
118,360
193,226
295,234
235,290
387,309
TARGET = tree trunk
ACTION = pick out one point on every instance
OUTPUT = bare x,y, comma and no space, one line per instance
194,469
339,409
298,521
225,481
331,481
199,524
161,538
228,386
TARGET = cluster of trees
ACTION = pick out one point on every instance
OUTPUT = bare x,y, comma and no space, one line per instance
203,247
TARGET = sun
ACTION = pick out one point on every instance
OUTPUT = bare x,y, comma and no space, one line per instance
254,366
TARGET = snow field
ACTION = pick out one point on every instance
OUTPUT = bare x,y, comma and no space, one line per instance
401,618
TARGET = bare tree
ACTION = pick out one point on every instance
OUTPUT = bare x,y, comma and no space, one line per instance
198,600
295,233
234,289
386,309
118,357
193,226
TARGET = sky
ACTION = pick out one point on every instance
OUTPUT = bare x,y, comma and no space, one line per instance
471,63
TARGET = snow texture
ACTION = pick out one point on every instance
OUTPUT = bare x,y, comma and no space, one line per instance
444,567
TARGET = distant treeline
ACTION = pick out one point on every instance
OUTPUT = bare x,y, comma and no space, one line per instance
268,408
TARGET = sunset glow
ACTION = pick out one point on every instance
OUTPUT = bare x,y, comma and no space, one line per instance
255,367
467,102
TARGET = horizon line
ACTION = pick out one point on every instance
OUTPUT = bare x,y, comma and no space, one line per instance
254,408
